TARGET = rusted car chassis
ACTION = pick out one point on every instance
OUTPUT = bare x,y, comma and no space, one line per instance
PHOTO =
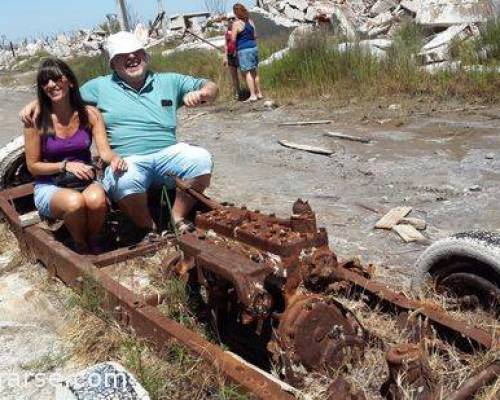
270,285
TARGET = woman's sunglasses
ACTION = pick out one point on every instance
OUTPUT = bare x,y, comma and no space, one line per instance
57,80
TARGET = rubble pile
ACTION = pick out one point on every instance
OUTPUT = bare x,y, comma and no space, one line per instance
86,42
375,21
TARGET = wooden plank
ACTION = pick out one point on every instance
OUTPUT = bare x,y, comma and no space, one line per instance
29,219
302,123
392,217
343,136
305,147
408,233
417,223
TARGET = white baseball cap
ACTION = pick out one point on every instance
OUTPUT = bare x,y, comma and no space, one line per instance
122,43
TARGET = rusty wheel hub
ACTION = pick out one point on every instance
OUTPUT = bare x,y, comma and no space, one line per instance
320,333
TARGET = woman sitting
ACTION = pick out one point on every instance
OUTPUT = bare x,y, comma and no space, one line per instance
58,146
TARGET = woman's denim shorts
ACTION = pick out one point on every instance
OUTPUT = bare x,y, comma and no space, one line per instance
248,59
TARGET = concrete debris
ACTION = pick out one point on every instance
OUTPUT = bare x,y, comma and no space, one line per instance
375,47
380,19
444,13
438,49
376,20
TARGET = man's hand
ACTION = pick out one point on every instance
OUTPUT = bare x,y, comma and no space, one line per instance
193,99
207,93
118,164
29,114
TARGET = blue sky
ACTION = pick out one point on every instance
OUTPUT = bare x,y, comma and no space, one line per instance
33,18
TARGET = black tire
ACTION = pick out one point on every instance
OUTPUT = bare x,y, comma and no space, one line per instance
13,170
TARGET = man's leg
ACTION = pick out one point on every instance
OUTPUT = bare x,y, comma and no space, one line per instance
136,208
128,189
193,165
183,201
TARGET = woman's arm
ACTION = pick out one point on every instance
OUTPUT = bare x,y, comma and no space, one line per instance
32,149
101,141
237,28
254,30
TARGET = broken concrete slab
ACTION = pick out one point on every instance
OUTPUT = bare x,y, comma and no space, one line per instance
417,223
408,233
438,49
298,4
392,218
411,5
342,21
294,14
444,13
382,6
275,57
311,14
375,47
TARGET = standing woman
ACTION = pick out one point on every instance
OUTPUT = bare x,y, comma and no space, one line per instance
243,33
60,143
230,57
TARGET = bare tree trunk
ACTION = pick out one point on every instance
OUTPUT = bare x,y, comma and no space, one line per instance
123,15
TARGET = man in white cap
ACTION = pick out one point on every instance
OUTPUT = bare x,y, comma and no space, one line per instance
139,109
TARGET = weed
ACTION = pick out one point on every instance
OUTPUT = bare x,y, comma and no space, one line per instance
489,40
46,363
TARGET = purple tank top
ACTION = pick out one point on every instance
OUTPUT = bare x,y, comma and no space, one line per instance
74,148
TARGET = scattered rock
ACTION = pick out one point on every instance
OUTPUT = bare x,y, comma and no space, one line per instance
475,188
490,156
107,380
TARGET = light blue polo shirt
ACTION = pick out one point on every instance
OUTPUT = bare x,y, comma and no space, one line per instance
140,121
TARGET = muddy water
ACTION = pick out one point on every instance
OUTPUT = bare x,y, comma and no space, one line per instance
430,163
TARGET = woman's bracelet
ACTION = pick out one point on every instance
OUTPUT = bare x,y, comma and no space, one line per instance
63,165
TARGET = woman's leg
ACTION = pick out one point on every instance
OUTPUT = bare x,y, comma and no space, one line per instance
69,205
95,202
235,79
251,85
256,79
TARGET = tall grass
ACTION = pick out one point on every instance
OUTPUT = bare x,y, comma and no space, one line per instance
316,67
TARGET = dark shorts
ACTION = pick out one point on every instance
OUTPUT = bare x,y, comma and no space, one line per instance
232,60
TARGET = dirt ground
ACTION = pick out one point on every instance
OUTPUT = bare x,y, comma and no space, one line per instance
440,159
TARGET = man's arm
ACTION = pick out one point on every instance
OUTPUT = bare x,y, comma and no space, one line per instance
207,93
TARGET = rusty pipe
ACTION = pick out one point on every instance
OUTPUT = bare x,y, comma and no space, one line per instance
476,382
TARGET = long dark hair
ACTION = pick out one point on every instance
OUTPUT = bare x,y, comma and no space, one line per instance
53,68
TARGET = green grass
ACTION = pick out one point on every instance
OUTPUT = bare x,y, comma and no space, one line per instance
316,68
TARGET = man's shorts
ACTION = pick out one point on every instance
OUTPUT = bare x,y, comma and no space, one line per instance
248,59
144,171
43,195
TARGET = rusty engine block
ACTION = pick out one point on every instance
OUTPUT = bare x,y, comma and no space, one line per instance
256,270
264,280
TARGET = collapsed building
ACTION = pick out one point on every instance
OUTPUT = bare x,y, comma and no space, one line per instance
371,24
